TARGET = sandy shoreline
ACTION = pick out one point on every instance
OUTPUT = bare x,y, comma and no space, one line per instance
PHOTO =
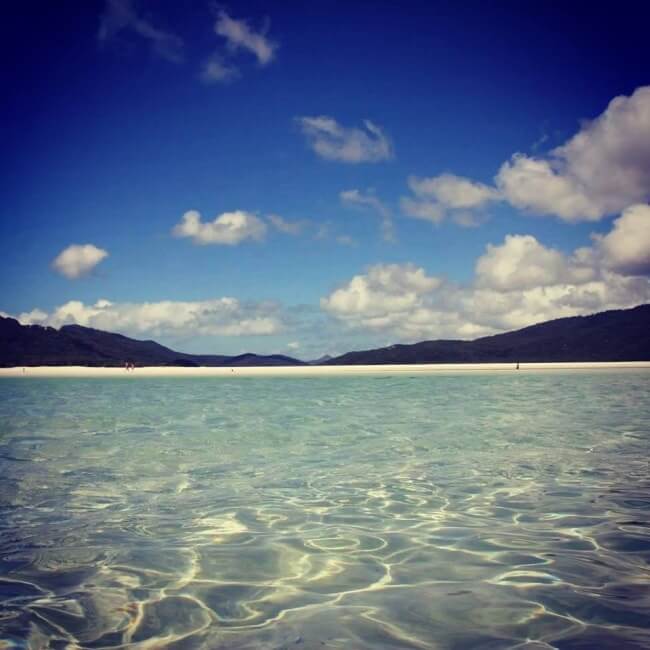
304,371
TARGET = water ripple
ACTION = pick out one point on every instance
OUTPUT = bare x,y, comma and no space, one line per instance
436,512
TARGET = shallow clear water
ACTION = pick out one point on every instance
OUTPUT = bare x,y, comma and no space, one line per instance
504,510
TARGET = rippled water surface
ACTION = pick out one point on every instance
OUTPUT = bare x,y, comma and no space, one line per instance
504,510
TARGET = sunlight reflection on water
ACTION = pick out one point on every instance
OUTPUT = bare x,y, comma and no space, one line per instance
450,511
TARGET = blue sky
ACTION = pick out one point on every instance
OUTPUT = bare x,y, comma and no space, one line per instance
356,174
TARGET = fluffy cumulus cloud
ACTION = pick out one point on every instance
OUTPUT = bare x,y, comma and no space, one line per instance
505,310
34,317
78,260
229,228
517,283
400,300
626,249
369,200
220,317
535,185
332,141
452,191
121,15
240,36
521,262
437,196
381,297
600,171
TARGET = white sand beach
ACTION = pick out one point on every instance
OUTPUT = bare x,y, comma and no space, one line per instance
302,371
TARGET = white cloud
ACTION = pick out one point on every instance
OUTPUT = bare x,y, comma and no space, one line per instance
505,310
600,171
535,186
467,219
120,15
78,260
517,283
626,249
239,35
521,262
359,198
453,192
369,200
284,226
34,317
381,296
448,194
398,300
229,228
425,210
332,141
219,316
215,70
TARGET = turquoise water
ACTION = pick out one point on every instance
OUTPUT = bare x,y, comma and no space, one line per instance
504,510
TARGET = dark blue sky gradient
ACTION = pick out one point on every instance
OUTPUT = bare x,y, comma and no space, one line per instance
112,144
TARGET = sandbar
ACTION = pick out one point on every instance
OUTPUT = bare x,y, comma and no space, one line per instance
304,371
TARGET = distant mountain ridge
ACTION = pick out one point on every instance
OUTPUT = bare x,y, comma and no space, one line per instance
618,335
74,345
